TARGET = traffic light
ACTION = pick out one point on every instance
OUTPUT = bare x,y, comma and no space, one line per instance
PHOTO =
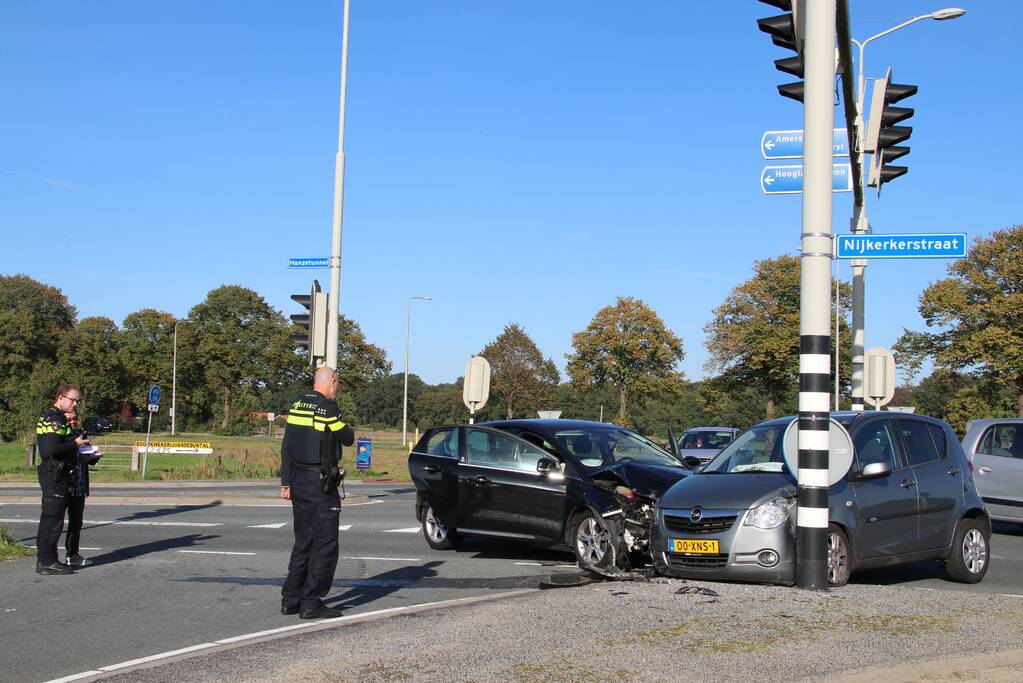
314,322
788,31
883,136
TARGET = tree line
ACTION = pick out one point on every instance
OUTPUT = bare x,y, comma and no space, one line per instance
235,357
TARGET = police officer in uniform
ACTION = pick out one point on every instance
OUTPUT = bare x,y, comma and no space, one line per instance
310,473
58,453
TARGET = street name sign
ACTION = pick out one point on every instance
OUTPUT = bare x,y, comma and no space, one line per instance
935,245
311,262
788,144
789,179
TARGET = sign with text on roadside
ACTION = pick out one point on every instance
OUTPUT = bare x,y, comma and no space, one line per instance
789,179
178,447
932,245
788,144
311,262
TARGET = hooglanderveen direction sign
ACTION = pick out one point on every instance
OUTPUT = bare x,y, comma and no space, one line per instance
936,245
177,447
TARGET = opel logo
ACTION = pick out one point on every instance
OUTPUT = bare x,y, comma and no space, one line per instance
695,515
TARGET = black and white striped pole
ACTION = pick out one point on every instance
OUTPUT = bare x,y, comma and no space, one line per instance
815,296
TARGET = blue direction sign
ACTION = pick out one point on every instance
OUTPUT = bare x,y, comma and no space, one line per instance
154,394
788,144
789,179
933,245
312,262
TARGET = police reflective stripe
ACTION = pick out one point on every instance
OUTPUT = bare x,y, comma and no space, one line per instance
299,411
300,420
332,423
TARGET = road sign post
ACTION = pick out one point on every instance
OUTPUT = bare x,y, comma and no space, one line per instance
154,406
880,384
476,385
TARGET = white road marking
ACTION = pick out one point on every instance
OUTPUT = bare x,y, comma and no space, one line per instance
250,636
268,526
406,530
383,559
1011,595
344,527
119,522
213,552
352,505
529,564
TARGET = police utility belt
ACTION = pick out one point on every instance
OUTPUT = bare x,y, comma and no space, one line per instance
329,480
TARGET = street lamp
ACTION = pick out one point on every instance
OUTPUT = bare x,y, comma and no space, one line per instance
860,224
174,378
408,326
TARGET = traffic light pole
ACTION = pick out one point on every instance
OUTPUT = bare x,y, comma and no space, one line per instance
815,296
859,225
334,301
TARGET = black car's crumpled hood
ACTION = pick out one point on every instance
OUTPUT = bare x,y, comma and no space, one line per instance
738,491
645,479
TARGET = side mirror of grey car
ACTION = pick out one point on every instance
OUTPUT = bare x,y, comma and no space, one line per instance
692,462
876,469
546,465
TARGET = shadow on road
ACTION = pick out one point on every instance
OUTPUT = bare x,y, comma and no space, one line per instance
1008,529
133,551
486,549
376,587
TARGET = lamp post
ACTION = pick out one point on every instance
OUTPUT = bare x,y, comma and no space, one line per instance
404,405
174,378
860,224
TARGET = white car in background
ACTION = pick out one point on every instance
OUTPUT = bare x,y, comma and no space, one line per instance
994,447
705,442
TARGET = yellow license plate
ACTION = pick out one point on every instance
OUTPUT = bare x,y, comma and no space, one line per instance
698,547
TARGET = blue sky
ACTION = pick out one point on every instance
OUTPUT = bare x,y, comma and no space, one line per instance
518,161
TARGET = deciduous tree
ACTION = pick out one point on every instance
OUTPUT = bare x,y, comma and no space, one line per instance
628,347
521,378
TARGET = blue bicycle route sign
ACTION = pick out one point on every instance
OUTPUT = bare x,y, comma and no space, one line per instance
903,245
788,144
312,262
789,179
154,394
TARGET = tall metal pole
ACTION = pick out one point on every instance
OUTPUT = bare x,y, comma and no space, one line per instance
815,296
334,300
404,403
174,381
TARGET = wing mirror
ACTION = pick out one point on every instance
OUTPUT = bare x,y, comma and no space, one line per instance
692,462
875,470
546,465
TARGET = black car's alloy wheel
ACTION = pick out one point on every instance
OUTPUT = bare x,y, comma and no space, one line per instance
970,555
591,540
436,533
839,557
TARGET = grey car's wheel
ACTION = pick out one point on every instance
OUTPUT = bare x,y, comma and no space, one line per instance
437,534
970,554
839,556
592,543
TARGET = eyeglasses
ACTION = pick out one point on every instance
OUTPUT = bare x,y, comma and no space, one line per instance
74,400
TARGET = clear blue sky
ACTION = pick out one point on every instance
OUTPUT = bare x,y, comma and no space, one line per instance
519,161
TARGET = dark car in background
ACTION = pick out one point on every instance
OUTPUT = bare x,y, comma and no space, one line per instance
995,450
908,497
591,486
96,425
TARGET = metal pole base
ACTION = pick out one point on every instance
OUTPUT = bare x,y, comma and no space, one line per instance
811,558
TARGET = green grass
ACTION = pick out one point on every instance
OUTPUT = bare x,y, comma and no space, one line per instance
9,547
234,457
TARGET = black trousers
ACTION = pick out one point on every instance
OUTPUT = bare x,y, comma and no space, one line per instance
75,514
314,555
51,519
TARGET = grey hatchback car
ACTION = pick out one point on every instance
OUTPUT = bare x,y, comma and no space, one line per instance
995,449
909,497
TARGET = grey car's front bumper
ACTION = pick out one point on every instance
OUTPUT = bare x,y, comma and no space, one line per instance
744,552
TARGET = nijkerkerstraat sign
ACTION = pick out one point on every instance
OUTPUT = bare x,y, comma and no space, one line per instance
936,245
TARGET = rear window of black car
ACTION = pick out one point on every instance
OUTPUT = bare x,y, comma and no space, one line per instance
443,442
919,442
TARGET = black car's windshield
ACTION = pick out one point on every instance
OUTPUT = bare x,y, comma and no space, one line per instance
758,449
600,446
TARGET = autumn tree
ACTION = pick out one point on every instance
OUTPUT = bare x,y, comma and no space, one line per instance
520,377
977,312
145,351
753,338
33,318
628,347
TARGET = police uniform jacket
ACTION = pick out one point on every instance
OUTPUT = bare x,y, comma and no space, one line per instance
55,444
314,435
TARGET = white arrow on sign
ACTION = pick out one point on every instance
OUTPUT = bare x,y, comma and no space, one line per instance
769,145
769,180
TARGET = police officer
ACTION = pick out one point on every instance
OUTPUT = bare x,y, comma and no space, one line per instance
58,453
310,473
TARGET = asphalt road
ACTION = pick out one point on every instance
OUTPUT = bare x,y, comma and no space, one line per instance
167,577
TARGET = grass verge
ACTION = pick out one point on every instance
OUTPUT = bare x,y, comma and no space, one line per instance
10,548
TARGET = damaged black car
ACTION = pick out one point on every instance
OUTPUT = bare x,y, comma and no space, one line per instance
590,486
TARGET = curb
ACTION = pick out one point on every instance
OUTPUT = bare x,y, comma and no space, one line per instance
146,500
223,645
992,666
